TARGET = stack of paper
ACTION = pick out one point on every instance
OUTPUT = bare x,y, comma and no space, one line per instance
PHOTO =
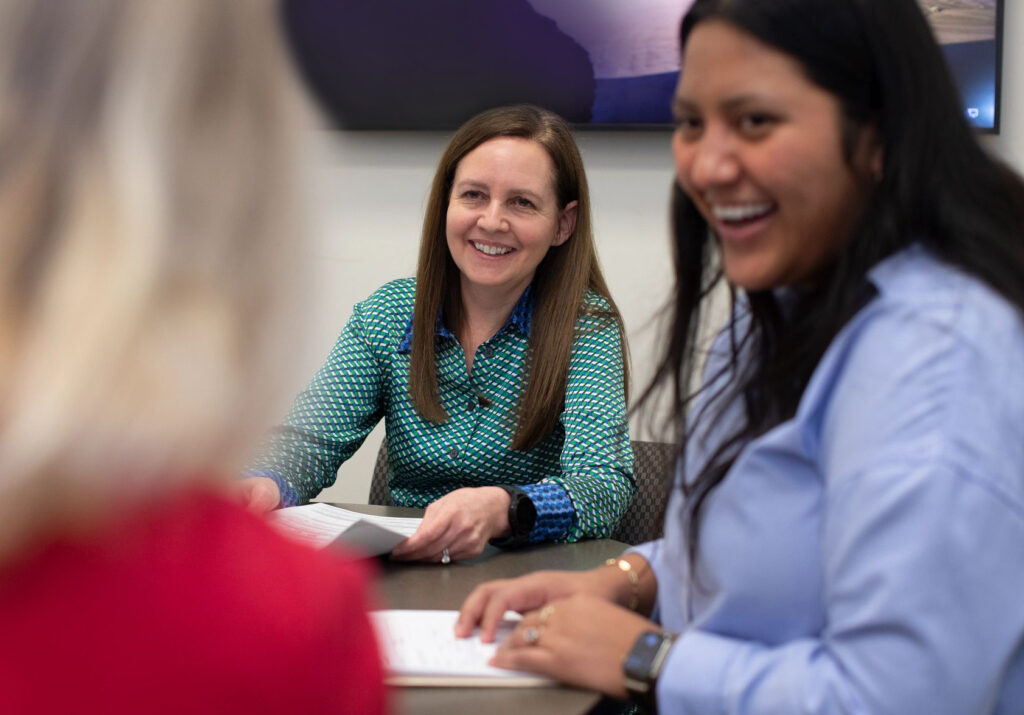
420,648
321,525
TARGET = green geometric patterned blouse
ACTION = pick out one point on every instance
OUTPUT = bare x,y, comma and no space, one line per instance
579,477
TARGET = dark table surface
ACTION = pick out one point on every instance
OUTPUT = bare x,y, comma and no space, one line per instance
433,586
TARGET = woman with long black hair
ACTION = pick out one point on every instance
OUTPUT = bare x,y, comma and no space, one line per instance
846,533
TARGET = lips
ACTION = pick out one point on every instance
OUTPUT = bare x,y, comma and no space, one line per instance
742,222
491,250
740,213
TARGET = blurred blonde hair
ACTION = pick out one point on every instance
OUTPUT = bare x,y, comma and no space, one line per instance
147,219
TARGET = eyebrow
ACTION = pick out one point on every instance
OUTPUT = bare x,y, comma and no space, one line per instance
470,183
681,104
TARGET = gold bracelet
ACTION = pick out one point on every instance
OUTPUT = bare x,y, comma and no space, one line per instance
634,579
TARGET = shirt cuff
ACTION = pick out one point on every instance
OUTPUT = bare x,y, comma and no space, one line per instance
693,677
289,496
554,511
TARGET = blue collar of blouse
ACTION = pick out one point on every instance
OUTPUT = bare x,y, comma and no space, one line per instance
520,317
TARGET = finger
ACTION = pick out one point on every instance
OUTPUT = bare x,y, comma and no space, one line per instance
427,551
519,638
473,608
462,538
534,658
464,545
462,552
425,534
494,612
521,595
427,539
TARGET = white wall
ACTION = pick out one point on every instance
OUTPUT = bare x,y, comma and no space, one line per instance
368,196
1010,142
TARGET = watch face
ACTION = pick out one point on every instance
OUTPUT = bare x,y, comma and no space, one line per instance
639,660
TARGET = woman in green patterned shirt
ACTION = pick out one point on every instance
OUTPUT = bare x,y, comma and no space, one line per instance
499,370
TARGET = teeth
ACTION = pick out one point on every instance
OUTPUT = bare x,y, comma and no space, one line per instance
740,213
491,250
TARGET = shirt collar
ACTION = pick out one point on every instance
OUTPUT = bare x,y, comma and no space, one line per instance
521,317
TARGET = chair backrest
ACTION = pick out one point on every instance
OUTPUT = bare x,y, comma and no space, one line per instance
644,520
380,493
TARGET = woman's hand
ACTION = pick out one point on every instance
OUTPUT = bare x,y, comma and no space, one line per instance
581,640
257,494
486,604
462,521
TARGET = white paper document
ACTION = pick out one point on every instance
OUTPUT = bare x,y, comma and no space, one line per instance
420,648
321,525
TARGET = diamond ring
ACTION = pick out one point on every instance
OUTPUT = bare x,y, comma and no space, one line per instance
446,558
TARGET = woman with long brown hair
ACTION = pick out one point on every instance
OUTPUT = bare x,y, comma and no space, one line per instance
500,369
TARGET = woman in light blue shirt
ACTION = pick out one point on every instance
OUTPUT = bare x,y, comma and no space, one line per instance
846,530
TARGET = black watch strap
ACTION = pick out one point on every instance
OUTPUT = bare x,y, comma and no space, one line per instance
522,515
642,667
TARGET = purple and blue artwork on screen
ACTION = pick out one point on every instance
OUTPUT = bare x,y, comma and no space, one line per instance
969,31
431,64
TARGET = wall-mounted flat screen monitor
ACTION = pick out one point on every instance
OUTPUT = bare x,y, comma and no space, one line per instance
431,64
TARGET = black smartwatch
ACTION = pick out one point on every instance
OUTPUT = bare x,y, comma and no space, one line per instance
642,667
522,515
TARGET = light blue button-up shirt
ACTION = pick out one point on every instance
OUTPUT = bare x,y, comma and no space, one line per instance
866,556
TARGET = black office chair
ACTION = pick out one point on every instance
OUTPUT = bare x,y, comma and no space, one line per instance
645,516
644,519
379,491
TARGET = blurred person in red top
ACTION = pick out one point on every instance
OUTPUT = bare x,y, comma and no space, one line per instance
147,251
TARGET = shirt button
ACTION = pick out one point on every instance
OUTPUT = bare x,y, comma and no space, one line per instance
471,405
453,453
488,351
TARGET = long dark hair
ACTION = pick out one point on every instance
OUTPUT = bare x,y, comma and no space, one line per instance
938,187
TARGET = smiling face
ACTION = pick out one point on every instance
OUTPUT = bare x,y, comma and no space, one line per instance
503,216
759,151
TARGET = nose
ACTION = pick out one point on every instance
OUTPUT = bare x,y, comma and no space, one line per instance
709,161
492,218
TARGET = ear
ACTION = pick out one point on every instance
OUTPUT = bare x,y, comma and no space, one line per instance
566,223
870,153
877,163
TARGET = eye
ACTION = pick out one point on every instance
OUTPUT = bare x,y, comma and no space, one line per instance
756,123
521,202
688,126
472,195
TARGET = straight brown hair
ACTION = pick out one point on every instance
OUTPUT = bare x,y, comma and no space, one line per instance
560,285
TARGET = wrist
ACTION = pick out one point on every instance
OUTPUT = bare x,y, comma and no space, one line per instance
622,576
520,517
643,665
498,501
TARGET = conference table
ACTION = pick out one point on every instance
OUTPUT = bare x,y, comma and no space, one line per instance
433,586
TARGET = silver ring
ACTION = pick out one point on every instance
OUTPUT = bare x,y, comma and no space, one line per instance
531,636
446,558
